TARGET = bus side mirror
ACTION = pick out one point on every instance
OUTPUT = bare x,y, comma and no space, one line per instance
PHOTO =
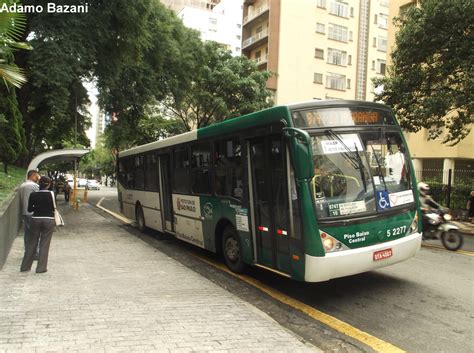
300,144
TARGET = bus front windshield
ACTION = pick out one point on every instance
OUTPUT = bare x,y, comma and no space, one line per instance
359,173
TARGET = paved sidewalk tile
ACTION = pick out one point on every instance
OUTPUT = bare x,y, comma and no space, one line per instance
108,291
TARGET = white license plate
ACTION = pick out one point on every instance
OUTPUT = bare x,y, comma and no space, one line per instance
382,254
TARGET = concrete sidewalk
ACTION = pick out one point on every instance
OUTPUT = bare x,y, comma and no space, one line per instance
108,291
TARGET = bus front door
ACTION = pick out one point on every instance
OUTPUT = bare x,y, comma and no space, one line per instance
166,197
270,202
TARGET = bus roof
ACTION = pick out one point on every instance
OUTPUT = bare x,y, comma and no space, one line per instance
262,117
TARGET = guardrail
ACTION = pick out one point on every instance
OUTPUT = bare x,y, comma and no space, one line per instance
10,222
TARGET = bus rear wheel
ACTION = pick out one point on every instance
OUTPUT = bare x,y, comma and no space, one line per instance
231,250
140,217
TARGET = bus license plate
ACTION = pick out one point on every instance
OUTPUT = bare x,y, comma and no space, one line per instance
382,254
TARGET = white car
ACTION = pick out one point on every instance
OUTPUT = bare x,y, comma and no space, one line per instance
81,183
93,185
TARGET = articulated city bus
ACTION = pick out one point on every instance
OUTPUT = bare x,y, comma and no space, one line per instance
313,191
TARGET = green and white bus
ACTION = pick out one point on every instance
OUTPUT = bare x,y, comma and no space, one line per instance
313,191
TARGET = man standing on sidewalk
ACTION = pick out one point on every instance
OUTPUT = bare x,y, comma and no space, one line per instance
29,186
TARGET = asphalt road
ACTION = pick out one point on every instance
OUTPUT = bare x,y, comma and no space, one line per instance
422,305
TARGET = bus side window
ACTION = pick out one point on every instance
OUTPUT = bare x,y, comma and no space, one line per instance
228,180
181,171
200,163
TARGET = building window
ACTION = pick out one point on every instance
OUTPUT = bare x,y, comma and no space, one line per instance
375,19
319,53
373,64
320,28
336,81
321,3
383,21
238,37
339,33
384,3
318,78
339,9
352,12
382,44
239,26
348,83
349,60
212,24
381,67
237,49
337,57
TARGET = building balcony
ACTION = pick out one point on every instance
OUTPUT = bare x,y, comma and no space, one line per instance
261,60
255,39
262,9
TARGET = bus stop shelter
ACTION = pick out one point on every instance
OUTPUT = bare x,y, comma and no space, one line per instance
69,154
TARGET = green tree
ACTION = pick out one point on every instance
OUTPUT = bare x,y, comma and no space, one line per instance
12,137
221,87
431,82
12,26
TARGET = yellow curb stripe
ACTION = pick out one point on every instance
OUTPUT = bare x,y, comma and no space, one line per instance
464,252
116,215
375,343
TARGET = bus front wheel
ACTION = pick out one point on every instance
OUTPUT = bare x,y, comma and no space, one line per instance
140,217
231,250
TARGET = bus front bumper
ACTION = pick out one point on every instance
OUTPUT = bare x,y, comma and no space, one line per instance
351,262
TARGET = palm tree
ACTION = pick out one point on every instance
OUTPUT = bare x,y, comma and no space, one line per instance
12,26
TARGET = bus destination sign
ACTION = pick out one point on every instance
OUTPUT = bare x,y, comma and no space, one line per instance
332,117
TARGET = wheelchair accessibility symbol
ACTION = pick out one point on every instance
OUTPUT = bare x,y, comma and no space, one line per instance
382,200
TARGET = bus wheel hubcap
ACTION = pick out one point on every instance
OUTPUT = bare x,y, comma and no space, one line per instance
232,249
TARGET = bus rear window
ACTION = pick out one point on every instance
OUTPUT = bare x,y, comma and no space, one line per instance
342,116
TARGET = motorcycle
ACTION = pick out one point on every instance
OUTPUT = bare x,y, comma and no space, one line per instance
437,225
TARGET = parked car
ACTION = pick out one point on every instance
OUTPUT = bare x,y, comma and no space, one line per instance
81,183
93,185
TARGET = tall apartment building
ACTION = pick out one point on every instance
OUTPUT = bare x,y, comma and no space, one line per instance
317,49
178,5
432,157
222,24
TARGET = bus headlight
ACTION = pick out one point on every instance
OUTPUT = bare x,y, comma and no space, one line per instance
414,224
331,244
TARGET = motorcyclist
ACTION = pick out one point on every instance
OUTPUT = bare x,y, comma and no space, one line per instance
427,202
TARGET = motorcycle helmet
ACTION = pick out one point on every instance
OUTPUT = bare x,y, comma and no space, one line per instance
423,188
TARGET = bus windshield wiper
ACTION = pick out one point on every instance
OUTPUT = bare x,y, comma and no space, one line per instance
349,155
353,157
361,167
379,168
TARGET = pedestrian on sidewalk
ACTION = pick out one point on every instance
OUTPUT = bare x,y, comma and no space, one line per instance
28,187
42,227
470,207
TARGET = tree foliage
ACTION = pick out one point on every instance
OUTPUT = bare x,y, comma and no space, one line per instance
12,136
431,82
221,87
12,26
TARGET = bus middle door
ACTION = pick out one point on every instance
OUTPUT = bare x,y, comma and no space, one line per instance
270,198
